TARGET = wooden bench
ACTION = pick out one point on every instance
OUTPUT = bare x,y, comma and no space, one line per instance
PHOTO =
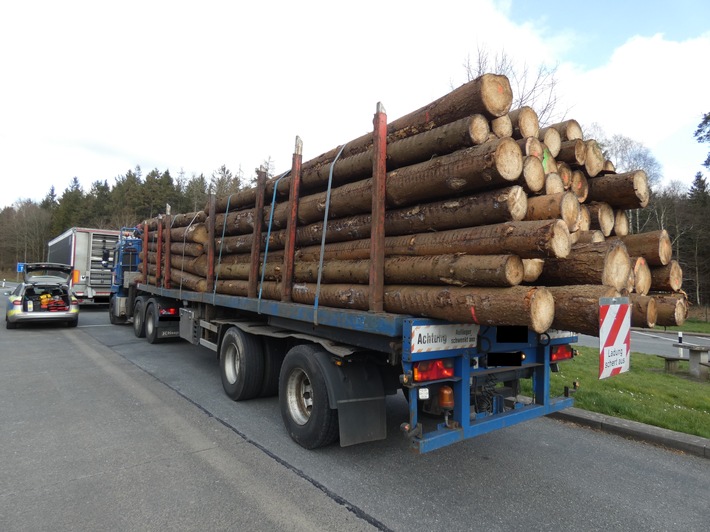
671,362
698,358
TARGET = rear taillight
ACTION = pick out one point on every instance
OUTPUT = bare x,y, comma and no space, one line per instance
431,370
561,352
17,303
172,311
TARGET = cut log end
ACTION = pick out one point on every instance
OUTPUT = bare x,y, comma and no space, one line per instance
478,129
517,202
496,94
502,126
560,245
533,174
542,309
509,159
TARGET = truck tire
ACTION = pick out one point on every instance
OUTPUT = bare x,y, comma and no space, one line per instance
303,398
274,354
138,319
115,320
241,364
151,324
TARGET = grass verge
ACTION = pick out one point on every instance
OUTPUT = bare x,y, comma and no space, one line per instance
646,393
695,326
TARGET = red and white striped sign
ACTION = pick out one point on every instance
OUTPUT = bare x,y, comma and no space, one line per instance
614,336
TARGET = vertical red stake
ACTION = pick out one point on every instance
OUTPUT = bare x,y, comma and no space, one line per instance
292,221
159,254
168,225
258,227
377,228
210,242
144,252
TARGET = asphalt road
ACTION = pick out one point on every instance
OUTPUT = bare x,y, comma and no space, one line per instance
652,342
101,430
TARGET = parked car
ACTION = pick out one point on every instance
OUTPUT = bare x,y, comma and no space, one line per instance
44,296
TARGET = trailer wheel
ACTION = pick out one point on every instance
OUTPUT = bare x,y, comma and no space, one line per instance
138,319
151,324
303,398
274,354
241,364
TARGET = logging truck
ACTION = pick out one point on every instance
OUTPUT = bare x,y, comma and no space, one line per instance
446,254
333,368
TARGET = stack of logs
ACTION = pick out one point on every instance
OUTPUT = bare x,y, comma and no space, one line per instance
489,219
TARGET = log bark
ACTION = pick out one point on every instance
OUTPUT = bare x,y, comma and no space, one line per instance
525,122
573,152
668,278
568,130
183,220
621,223
492,165
654,246
605,263
551,138
528,240
577,307
672,309
602,217
563,205
622,191
642,275
455,270
643,311
196,233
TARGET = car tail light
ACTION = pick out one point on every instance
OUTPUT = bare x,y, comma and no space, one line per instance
431,370
17,303
561,352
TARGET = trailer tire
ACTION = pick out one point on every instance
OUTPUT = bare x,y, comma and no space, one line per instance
274,354
303,398
241,364
138,319
151,324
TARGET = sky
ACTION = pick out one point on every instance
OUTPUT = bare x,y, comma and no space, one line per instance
94,89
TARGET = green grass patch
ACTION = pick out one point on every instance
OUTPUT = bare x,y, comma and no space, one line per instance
691,326
646,393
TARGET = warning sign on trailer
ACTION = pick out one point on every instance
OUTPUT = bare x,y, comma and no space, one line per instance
614,336
427,338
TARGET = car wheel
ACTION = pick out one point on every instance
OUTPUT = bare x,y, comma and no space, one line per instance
303,399
138,319
151,324
10,325
73,323
241,364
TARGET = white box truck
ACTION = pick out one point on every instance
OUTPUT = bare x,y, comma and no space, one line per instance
83,249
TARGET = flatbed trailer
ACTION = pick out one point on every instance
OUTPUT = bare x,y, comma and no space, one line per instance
461,380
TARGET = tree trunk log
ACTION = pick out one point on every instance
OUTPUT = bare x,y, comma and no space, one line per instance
605,263
568,130
563,205
642,276
531,146
549,163
585,219
668,278
654,246
602,216
525,122
551,138
643,311
593,159
672,309
577,307
572,152
587,237
621,191
553,184
532,268
579,185
528,240
196,233
565,173
533,178
621,223
502,126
